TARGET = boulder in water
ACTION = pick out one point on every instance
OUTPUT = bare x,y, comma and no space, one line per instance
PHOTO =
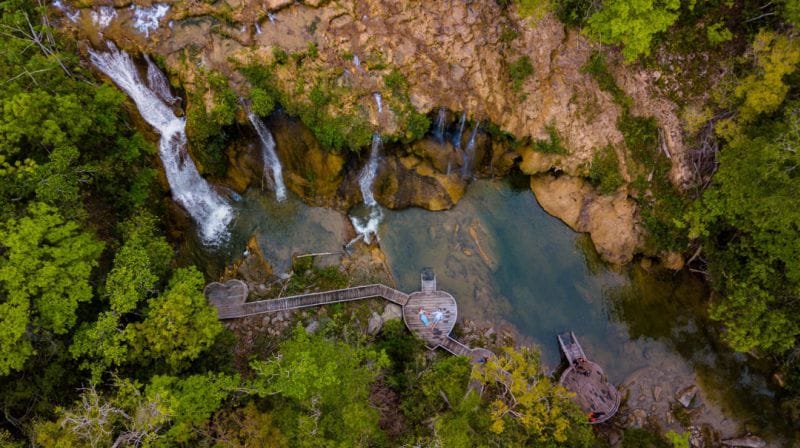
686,395
749,441
609,220
412,182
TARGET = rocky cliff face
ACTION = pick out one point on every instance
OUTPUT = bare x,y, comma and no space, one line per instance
454,55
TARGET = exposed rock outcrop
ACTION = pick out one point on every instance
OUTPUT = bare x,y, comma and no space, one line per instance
609,220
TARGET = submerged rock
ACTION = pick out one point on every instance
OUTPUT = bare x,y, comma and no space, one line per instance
746,442
686,395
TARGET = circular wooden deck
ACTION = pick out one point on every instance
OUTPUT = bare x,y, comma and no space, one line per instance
429,302
593,392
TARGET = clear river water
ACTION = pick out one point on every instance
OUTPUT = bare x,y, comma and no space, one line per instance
512,265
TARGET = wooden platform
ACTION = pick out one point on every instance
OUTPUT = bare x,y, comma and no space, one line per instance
431,301
230,300
593,392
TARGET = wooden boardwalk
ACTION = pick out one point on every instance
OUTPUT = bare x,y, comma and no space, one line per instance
598,398
230,299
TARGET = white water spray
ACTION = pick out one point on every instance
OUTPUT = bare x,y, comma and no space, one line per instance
210,211
158,82
147,19
104,16
269,156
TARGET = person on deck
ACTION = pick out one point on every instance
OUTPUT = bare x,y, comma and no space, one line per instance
438,316
424,318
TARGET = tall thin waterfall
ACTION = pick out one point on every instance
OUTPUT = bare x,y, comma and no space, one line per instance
457,136
367,226
269,156
469,151
378,101
367,175
158,82
208,209
438,131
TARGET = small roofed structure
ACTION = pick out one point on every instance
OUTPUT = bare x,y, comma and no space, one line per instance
598,398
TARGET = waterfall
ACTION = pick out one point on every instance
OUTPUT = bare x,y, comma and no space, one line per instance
158,82
378,101
269,156
271,17
438,131
367,226
146,19
258,28
210,211
367,175
469,152
356,61
457,136
103,16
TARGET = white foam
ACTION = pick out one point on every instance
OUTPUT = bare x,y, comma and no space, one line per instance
146,19
103,16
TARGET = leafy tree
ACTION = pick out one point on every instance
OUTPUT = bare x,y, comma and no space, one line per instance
327,385
775,57
248,427
179,324
191,401
753,250
45,268
138,266
526,406
632,23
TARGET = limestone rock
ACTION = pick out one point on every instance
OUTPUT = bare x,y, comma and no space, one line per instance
609,220
308,170
672,261
274,5
408,181
392,311
375,323
686,395
749,441
254,268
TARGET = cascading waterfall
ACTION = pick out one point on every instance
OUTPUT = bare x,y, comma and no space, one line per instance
438,131
367,176
469,151
367,226
269,156
158,82
378,101
208,209
258,28
356,61
271,17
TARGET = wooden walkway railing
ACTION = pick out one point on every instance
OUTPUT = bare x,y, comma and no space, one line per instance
313,299
455,347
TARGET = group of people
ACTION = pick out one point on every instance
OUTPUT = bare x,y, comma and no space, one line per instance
436,317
